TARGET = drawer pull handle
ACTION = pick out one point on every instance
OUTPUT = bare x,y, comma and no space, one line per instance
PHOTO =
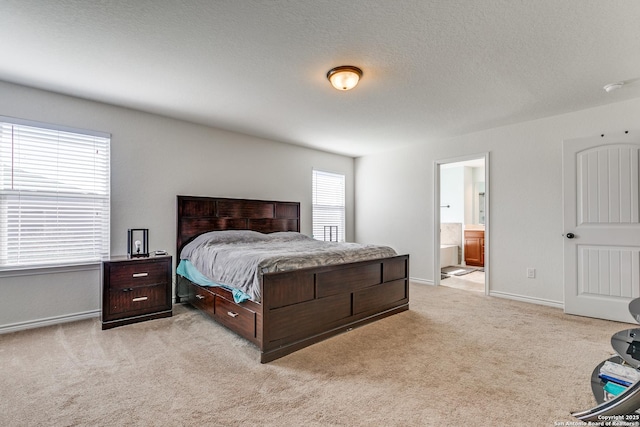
232,314
140,299
200,296
140,274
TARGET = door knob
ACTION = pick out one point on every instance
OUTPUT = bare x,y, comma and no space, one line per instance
570,235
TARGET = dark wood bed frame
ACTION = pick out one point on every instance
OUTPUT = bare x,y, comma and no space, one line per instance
300,307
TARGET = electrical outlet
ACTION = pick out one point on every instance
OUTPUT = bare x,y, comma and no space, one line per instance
531,273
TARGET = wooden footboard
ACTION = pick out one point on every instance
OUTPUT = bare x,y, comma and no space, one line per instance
302,307
306,306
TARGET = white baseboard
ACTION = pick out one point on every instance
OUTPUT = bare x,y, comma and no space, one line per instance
506,295
532,300
39,323
421,281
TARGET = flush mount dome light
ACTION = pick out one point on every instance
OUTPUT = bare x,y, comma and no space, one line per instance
345,77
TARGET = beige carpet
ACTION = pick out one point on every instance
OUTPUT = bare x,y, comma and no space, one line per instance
457,358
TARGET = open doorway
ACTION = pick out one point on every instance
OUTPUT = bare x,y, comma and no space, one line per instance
462,223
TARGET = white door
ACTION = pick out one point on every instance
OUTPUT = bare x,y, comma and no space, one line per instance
601,225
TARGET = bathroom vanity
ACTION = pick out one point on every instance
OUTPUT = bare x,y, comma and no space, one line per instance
474,247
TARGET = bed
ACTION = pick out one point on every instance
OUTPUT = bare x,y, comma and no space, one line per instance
296,308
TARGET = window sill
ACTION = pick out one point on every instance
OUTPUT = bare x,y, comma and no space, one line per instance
49,269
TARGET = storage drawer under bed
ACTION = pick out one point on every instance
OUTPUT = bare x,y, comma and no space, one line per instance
230,314
202,299
235,317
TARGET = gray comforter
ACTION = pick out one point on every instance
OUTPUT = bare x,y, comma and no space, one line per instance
238,258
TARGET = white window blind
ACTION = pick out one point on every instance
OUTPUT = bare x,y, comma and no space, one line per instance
328,206
54,195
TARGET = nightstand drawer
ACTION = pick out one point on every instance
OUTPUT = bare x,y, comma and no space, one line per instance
137,273
138,300
236,317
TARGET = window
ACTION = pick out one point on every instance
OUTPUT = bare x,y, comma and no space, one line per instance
54,195
328,206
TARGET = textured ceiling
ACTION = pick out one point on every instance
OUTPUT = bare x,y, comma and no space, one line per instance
432,68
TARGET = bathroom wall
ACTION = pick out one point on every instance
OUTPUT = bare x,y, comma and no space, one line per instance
459,186
451,233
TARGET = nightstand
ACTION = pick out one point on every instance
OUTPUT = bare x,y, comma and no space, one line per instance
135,290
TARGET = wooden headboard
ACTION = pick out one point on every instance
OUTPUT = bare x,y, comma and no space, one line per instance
197,215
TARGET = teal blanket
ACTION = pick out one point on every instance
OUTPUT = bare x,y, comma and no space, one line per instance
186,269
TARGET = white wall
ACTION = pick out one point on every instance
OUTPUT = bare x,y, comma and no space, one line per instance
153,159
525,197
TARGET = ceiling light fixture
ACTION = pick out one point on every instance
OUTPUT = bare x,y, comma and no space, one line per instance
613,86
345,77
